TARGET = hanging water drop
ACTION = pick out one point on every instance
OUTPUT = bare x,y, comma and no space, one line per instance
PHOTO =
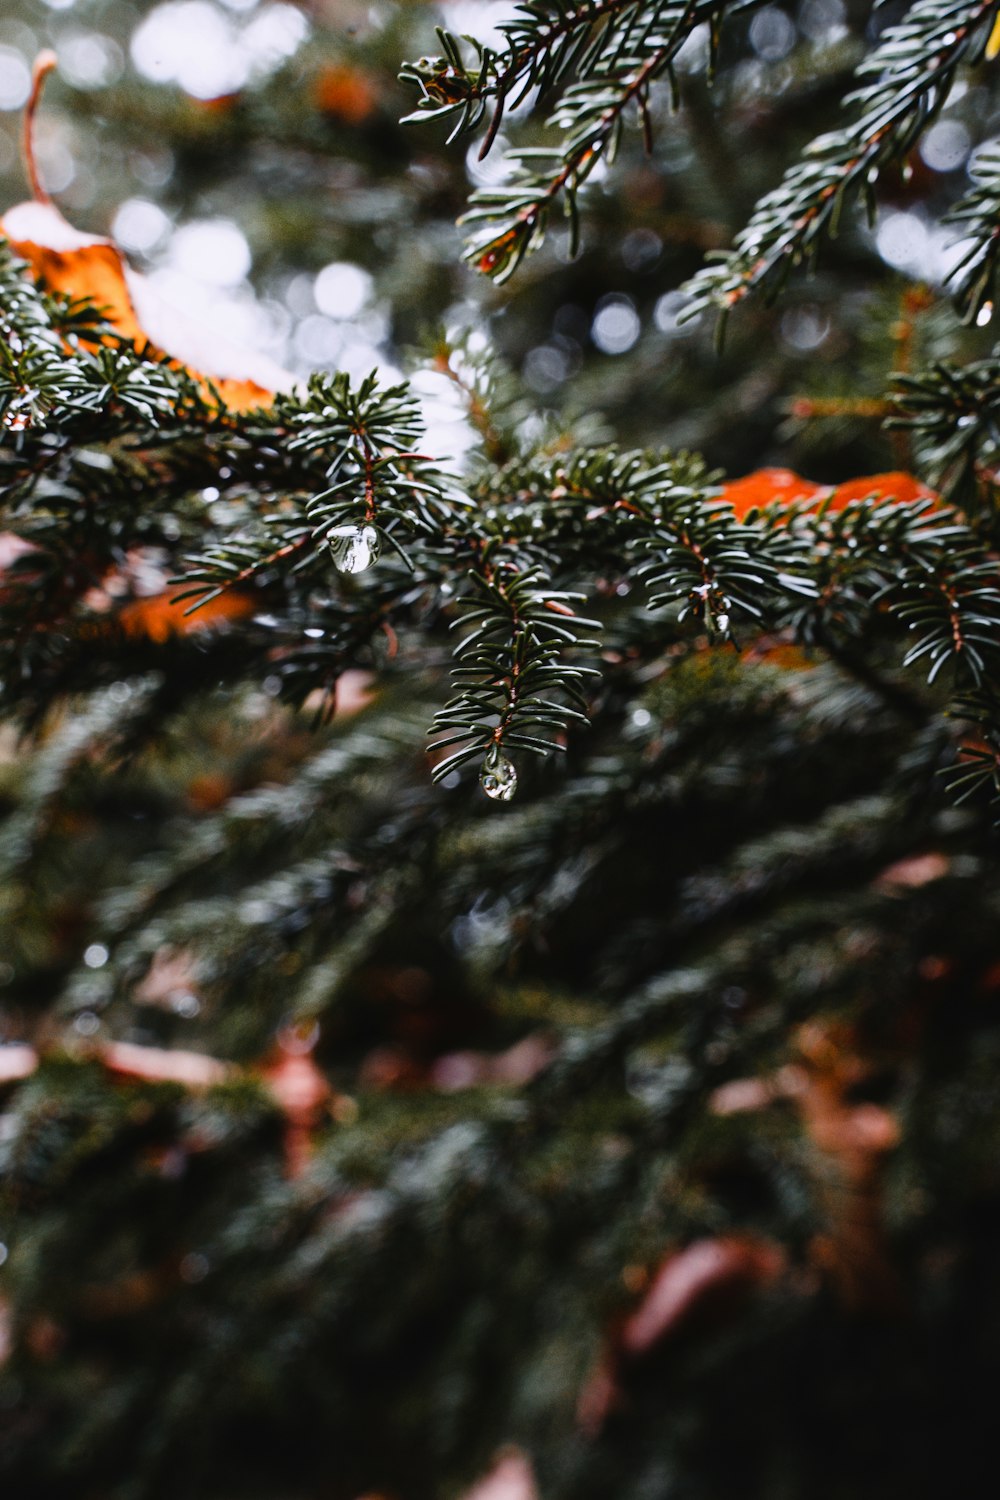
984,315
354,548
21,412
498,778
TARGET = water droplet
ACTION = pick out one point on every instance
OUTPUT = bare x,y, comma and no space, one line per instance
23,411
354,548
498,778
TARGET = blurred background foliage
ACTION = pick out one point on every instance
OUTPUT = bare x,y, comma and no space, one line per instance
250,156
650,1125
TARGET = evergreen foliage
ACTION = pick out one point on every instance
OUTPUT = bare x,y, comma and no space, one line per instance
356,1124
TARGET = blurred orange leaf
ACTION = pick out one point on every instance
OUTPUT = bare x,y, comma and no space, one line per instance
913,872
163,615
765,486
346,92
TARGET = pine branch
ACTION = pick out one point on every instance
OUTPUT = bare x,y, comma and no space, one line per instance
911,72
977,215
375,487
543,43
976,776
336,470
953,413
614,54
507,667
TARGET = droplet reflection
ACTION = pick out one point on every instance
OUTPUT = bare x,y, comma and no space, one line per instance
354,548
498,778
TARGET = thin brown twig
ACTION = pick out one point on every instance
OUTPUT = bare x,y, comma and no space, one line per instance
45,63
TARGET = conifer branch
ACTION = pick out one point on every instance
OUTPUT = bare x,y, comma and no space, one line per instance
612,54
977,215
953,414
911,72
337,470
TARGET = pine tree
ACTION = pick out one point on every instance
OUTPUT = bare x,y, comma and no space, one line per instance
630,1129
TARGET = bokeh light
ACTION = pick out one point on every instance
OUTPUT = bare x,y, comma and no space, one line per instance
616,325
212,251
341,289
946,146
15,79
208,53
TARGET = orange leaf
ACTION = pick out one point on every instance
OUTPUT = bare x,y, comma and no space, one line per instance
85,265
895,485
162,616
765,486
911,873
92,267
784,655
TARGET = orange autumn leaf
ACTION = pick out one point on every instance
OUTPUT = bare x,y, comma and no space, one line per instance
851,1137
207,792
785,655
91,267
911,873
163,615
895,485
765,486
221,104
707,1278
